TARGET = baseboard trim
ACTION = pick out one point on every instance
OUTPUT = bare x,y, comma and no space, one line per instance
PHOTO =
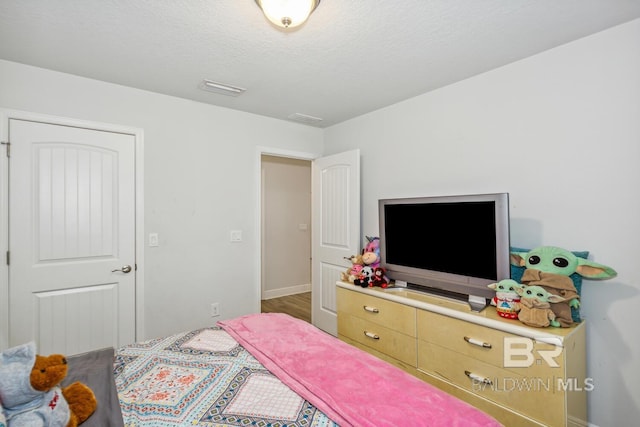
283,292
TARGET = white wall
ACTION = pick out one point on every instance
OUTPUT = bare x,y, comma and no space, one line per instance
560,132
201,181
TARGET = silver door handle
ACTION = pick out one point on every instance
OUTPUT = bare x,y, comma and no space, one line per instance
124,269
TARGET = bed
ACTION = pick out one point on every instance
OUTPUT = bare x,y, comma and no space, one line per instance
259,370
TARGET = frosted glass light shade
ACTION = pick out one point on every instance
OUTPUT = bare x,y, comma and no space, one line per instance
287,13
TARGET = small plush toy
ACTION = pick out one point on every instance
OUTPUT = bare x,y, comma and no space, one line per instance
379,279
551,267
364,278
371,252
373,245
30,391
506,298
352,272
534,308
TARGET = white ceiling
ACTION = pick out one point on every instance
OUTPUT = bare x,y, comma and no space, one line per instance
350,58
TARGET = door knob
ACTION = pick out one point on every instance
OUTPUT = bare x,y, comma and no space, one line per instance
124,269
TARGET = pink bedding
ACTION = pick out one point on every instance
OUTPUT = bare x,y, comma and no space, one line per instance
349,385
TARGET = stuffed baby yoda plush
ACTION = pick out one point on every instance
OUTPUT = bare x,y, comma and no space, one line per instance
534,308
550,267
506,297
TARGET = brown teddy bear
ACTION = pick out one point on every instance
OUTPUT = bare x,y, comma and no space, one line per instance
30,391
354,271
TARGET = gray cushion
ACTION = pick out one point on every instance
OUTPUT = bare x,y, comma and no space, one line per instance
95,369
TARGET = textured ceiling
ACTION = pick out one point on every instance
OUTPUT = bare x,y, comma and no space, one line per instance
350,58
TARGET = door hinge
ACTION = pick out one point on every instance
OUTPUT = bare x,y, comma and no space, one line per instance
8,257
8,144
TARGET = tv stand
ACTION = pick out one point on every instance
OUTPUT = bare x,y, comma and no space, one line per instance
477,303
521,376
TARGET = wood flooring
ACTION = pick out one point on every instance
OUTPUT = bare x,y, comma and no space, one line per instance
298,305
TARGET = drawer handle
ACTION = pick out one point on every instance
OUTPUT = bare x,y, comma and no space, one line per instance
370,309
478,378
477,342
372,335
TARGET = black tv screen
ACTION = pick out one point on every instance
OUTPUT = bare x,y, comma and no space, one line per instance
454,238
450,244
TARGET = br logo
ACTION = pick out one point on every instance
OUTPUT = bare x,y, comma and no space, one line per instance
519,352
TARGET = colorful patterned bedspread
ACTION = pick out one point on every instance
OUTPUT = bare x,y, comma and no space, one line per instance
204,378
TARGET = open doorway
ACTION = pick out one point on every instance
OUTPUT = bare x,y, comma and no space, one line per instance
286,235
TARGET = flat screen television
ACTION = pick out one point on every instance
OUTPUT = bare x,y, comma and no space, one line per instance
449,245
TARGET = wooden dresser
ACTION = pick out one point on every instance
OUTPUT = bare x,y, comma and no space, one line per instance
522,376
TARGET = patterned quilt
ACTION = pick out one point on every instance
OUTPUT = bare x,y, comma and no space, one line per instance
204,378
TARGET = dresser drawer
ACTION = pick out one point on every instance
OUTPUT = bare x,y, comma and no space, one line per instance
538,397
485,360
382,312
497,348
410,369
380,338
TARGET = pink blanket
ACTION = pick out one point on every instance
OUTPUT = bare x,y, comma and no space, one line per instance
349,385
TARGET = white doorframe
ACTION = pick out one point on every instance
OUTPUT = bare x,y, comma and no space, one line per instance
269,151
137,133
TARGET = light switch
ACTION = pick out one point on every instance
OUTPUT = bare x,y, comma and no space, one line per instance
153,239
236,235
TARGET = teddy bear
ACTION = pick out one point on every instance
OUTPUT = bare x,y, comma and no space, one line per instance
30,390
379,278
352,273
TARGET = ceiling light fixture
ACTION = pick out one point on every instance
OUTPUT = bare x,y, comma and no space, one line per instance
287,13
221,88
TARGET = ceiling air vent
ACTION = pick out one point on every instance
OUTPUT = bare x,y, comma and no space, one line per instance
303,118
220,88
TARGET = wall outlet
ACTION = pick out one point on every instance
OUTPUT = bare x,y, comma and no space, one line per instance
215,309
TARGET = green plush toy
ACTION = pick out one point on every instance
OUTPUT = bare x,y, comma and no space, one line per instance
551,268
534,307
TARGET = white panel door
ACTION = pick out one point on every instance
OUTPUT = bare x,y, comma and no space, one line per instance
335,182
71,224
